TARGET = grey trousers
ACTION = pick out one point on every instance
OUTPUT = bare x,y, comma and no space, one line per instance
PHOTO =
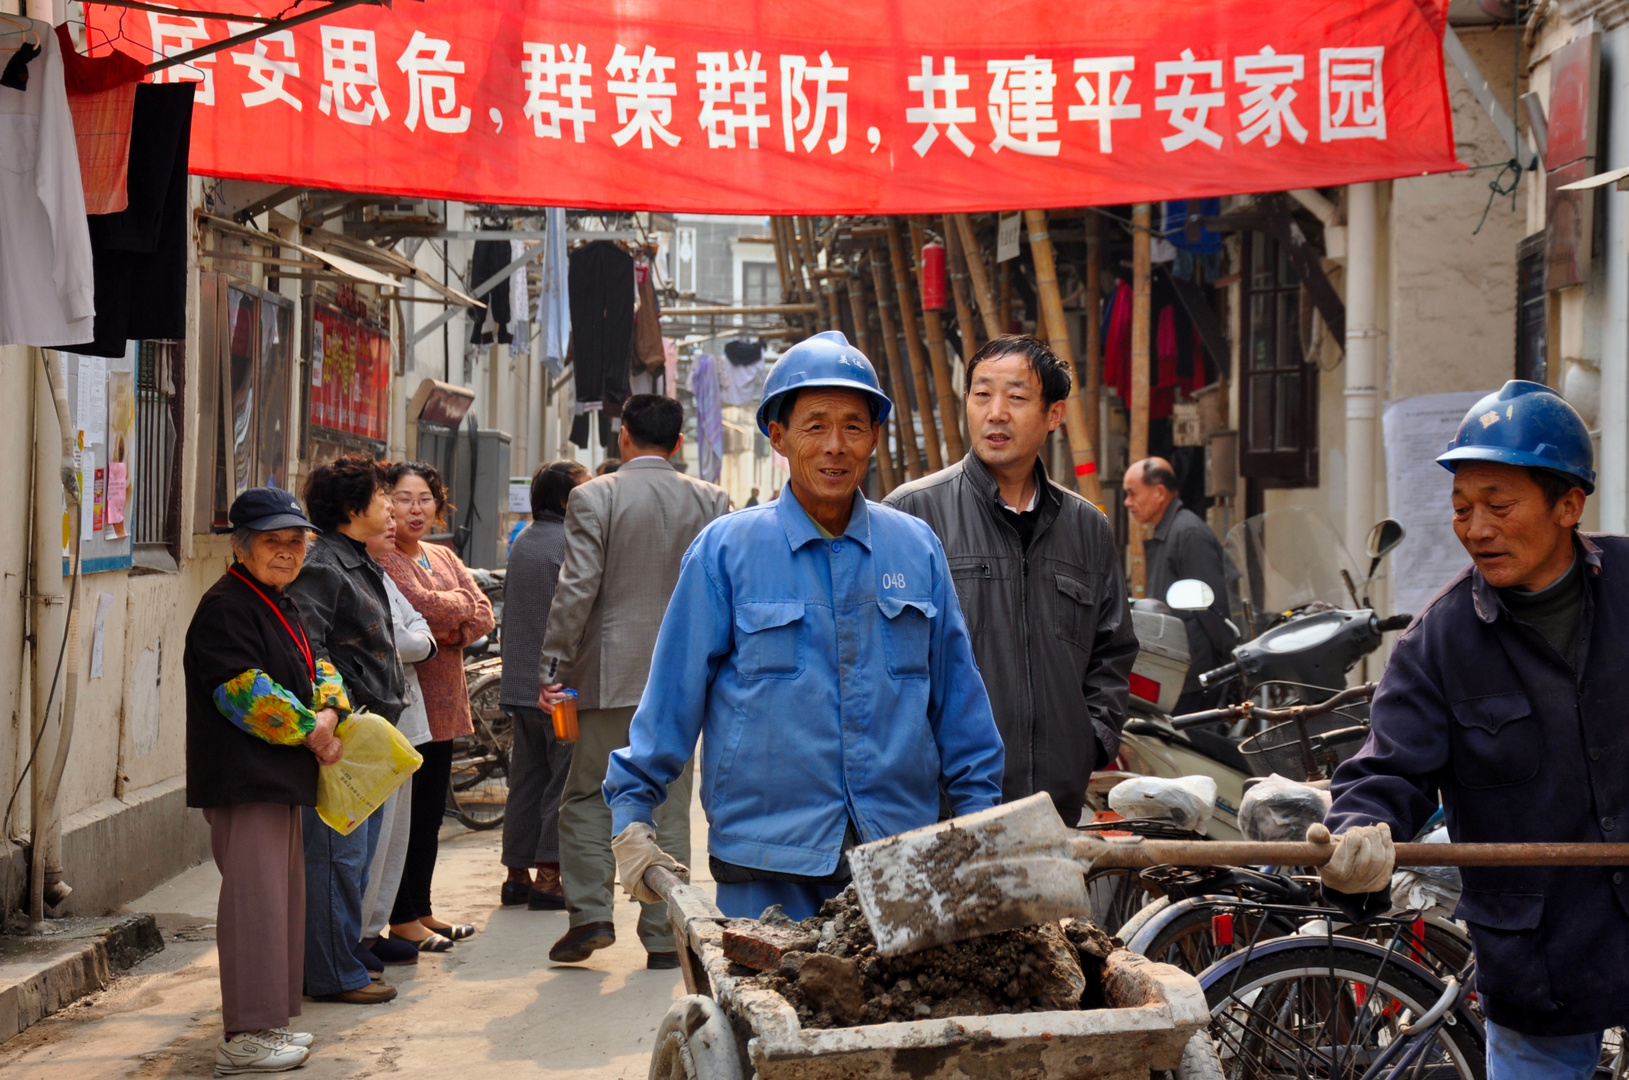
389,858
587,868
260,924
537,777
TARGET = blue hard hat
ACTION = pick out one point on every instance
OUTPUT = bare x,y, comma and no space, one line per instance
823,360
1525,423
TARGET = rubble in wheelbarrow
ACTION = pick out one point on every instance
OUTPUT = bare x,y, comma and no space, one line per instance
828,969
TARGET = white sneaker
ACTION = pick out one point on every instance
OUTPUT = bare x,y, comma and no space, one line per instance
298,1038
258,1051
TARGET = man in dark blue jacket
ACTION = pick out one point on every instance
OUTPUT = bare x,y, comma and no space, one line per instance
1507,700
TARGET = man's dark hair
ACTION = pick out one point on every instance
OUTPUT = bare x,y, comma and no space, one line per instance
552,484
341,489
1052,372
1159,474
1553,484
653,421
432,479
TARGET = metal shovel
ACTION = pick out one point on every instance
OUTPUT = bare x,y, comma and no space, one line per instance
1019,864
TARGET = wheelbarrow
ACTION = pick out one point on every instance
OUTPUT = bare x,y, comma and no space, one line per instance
727,1028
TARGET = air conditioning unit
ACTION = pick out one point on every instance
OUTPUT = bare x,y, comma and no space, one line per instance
399,211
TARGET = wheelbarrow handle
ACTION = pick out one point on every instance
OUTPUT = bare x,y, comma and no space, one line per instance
1137,852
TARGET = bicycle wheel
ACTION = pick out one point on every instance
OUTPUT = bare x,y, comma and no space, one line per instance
480,767
1327,1009
1189,940
1114,896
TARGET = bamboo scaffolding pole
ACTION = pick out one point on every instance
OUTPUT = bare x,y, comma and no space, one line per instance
862,341
1141,289
811,262
913,346
1004,299
973,256
938,356
966,326
783,266
1092,376
896,380
1057,332
794,259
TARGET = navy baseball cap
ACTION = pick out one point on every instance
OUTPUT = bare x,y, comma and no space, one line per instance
266,508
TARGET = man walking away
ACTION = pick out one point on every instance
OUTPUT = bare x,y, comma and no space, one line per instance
1035,569
1182,546
625,534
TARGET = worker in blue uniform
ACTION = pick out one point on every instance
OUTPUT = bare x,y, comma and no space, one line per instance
817,645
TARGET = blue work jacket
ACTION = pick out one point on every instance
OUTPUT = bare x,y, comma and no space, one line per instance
833,680
1478,709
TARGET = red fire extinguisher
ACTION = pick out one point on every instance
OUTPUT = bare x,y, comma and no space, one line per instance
933,277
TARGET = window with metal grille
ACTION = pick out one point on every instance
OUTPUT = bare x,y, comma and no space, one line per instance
156,502
1532,323
1280,443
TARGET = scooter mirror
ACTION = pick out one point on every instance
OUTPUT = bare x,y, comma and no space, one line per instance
1189,594
1386,535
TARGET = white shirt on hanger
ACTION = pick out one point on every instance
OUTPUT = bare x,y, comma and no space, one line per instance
47,289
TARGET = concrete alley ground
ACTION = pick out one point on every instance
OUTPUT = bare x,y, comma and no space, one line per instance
492,1007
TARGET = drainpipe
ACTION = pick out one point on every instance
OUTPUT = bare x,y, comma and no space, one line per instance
54,474
1361,335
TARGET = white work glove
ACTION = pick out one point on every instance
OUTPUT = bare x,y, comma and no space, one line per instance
1362,861
636,851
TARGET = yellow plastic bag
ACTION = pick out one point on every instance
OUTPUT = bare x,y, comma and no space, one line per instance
377,759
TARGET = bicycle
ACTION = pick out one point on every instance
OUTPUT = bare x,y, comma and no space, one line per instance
480,767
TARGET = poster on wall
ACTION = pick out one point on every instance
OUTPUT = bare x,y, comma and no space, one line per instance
102,408
1419,495
350,375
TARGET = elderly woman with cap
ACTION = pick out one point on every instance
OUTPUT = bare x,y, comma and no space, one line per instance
261,711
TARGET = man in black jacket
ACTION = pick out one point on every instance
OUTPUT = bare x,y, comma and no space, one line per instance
1182,546
1036,574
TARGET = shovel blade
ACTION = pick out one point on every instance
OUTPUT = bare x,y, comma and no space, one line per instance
995,870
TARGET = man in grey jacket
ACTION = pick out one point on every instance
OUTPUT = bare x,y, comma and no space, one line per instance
1036,574
1182,546
625,535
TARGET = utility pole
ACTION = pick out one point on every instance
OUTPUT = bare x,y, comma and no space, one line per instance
1141,285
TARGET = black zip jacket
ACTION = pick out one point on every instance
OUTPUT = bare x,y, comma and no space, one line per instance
1051,627
341,595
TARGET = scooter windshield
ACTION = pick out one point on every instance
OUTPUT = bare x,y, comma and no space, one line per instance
1283,560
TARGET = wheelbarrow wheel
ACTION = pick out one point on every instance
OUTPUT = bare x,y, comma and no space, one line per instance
695,1042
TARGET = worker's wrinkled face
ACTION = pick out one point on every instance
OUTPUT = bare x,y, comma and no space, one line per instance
1513,534
827,441
1146,502
275,557
1007,415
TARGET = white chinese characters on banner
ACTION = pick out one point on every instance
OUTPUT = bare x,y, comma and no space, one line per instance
1097,103
1267,103
1351,97
730,97
174,35
555,89
643,95
1190,110
939,106
350,65
1021,106
795,71
265,71
430,85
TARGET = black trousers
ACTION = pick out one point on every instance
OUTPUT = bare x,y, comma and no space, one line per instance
429,806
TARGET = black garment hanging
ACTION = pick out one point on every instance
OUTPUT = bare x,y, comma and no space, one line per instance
140,253
743,352
601,284
491,256
16,73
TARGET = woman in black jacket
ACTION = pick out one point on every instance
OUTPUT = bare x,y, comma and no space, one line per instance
261,712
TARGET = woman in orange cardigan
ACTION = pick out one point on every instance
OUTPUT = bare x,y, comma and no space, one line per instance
437,584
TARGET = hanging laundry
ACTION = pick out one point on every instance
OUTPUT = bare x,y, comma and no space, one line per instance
141,252
553,305
15,75
670,367
520,331
647,321
102,98
740,380
1176,226
1117,342
491,256
601,280
709,416
47,293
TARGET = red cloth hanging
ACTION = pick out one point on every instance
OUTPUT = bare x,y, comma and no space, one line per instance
1117,343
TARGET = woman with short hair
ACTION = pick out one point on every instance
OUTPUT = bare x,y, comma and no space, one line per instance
437,584
537,761
262,704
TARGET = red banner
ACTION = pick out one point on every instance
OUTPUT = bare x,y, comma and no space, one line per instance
350,375
817,106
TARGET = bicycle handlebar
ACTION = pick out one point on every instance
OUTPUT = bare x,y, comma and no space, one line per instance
1239,712
1395,622
1219,675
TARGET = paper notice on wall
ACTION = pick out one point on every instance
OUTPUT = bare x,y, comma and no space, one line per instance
520,495
117,483
87,494
1007,236
92,414
1420,495
104,604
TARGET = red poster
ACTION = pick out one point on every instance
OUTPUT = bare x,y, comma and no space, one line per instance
818,106
350,375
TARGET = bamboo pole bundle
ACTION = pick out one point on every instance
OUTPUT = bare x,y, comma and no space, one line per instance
1092,376
806,231
965,324
783,264
1141,286
862,341
973,256
913,346
938,355
895,378
1057,332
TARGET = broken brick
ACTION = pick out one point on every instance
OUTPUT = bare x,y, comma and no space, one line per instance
760,946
